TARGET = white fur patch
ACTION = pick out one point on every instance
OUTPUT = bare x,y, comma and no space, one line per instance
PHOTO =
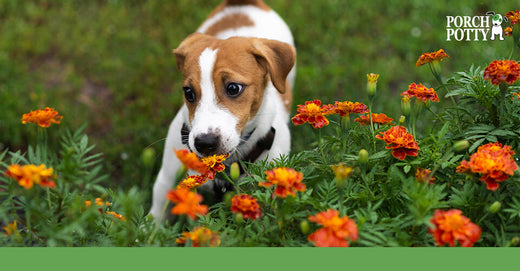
210,117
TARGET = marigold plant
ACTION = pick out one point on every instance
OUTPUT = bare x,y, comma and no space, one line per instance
493,161
200,237
421,92
431,57
246,205
313,113
29,175
400,141
499,71
286,180
450,226
380,119
335,232
186,203
42,117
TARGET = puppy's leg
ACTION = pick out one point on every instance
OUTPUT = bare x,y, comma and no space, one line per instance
170,165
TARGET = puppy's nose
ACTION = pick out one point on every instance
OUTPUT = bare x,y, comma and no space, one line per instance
207,144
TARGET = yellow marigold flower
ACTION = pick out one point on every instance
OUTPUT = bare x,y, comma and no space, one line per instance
186,202
43,117
423,176
200,237
452,225
431,57
508,31
515,95
493,161
29,175
372,83
341,171
421,92
500,71
11,228
214,165
513,16
116,215
335,232
286,180
192,182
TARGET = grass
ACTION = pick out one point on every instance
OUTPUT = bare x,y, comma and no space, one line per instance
108,64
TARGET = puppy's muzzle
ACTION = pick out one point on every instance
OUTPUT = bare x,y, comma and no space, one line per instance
207,144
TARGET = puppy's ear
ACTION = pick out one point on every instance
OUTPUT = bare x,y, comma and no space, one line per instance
277,58
192,40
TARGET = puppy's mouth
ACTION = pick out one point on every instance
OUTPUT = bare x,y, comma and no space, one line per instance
204,144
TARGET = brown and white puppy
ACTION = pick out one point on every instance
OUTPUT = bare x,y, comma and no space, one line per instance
238,73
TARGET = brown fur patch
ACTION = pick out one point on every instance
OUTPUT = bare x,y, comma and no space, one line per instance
257,3
232,21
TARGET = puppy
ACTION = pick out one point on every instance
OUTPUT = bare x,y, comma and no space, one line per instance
238,74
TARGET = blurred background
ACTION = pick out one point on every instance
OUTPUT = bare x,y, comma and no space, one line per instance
108,64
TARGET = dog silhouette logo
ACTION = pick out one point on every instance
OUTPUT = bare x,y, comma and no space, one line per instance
496,29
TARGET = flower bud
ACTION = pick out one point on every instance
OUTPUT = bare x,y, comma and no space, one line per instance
372,83
148,157
495,207
515,241
227,197
304,227
402,120
406,107
461,145
363,156
239,218
234,171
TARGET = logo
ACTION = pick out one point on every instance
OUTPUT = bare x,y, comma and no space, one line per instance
475,28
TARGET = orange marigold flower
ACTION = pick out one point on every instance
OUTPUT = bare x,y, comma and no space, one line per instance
421,92
500,71
192,182
186,203
336,231
346,108
200,237
116,215
508,31
513,16
190,160
376,119
214,165
313,113
11,228
430,57
287,181
29,175
341,171
246,205
493,161
452,225
400,141
423,176
43,117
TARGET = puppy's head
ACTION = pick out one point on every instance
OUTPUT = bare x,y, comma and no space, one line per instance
224,83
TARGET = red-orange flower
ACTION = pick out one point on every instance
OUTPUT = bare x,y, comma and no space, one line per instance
192,182
452,225
29,175
423,176
421,92
400,141
214,165
345,108
513,16
116,215
313,113
43,117
508,31
336,231
493,161
190,160
430,57
200,237
500,71
376,119
186,203
286,180
246,205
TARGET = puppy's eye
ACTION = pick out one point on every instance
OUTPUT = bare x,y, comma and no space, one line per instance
234,89
189,94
